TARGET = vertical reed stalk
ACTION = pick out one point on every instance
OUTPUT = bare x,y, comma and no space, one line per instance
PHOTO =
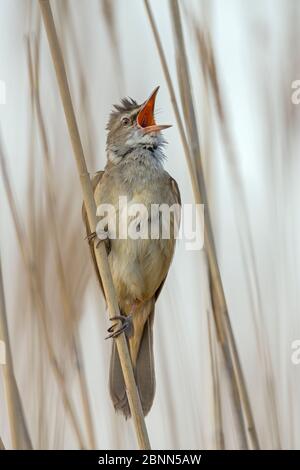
89,201
18,428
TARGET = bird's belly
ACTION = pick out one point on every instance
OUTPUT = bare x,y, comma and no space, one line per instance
138,267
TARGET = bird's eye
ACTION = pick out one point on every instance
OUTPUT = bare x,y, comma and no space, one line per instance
125,121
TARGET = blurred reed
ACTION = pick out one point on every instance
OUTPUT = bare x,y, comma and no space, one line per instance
17,423
71,325
206,55
244,418
108,11
38,299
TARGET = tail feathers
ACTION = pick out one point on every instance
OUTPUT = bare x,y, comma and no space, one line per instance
144,374
117,385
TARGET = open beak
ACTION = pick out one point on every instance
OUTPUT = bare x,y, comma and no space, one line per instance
145,118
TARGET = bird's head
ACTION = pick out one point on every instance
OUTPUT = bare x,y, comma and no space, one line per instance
132,126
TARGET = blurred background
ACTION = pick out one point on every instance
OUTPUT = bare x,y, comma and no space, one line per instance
242,58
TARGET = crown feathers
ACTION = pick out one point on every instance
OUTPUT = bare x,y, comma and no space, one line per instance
127,104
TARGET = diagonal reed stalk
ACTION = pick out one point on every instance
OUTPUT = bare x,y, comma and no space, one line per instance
17,423
89,201
191,147
65,295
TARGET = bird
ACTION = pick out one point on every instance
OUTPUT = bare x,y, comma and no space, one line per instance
139,266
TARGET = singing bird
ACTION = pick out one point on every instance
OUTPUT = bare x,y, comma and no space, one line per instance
139,266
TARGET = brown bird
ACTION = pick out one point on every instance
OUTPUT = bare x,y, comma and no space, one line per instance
139,266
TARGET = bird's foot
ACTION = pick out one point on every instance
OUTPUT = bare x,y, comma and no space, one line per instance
101,237
91,237
126,326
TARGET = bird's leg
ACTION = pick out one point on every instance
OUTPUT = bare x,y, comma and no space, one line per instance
126,326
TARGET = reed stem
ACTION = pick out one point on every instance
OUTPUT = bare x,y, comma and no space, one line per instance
18,427
1,445
89,201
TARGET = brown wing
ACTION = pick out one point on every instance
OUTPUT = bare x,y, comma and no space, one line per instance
95,181
177,200
175,190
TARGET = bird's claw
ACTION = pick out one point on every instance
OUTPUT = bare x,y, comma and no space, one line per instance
92,237
126,326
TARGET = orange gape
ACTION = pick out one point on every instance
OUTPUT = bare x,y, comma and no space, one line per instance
145,118
146,115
